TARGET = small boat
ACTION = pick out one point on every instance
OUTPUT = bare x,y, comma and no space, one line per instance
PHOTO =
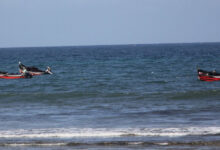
33,70
208,75
5,75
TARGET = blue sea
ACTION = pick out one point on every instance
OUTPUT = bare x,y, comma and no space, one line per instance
111,97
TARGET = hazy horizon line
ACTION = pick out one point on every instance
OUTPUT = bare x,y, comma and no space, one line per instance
51,46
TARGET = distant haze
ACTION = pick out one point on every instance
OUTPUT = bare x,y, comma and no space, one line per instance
25,23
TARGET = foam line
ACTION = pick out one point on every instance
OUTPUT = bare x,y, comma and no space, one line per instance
107,132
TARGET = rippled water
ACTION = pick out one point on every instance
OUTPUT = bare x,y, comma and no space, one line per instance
123,97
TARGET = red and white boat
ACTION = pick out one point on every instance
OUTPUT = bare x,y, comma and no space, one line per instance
208,75
33,70
5,75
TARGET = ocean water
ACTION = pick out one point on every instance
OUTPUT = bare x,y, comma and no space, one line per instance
111,97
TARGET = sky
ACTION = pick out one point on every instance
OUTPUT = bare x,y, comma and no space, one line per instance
34,23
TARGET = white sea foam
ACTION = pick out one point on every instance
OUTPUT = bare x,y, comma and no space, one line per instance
162,144
107,132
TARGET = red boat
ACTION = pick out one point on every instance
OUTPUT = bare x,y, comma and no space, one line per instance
33,70
208,75
5,75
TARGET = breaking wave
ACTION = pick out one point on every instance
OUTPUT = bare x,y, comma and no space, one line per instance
108,132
